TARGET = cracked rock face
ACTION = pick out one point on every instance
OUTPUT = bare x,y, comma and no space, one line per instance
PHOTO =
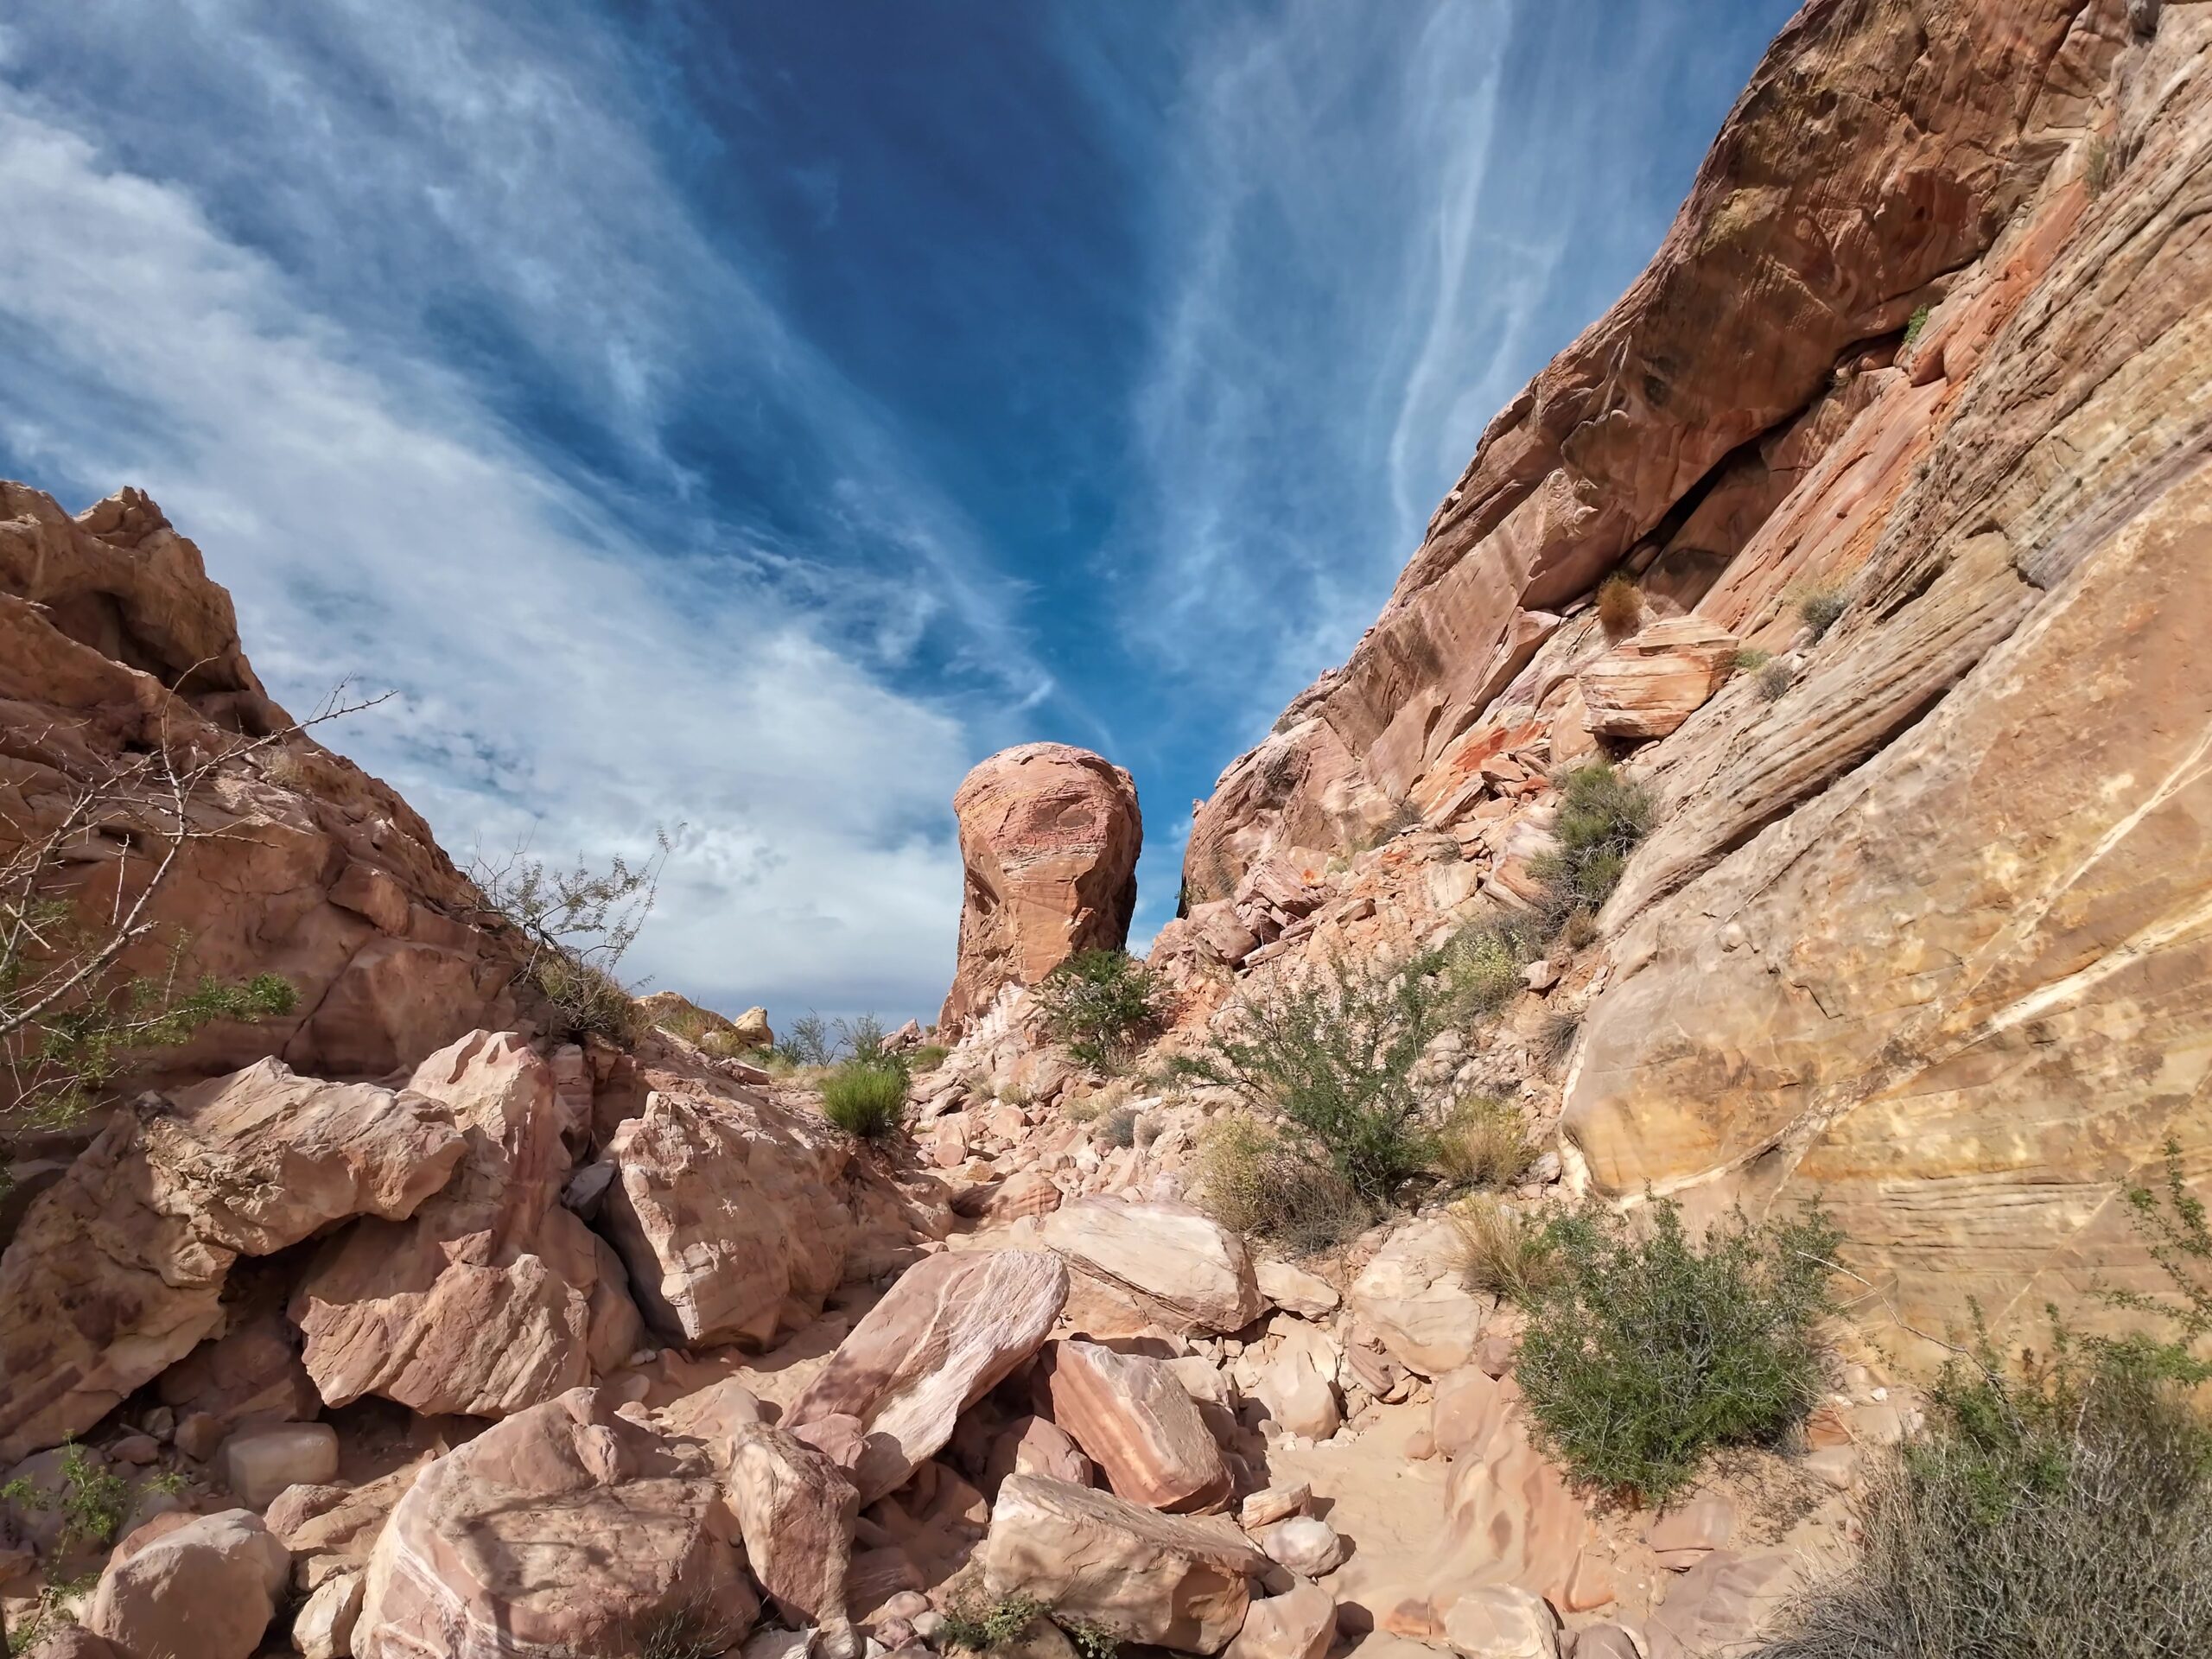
1050,835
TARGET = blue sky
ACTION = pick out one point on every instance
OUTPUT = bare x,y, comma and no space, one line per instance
749,416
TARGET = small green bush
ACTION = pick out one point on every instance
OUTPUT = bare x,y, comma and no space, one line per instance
1916,326
1484,962
1333,1058
1649,1350
1818,610
94,1502
983,1628
865,1098
929,1056
1751,658
806,1042
1602,817
1102,1004
586,1000
1485,1143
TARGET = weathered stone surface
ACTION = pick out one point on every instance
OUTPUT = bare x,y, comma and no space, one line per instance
251,1373
1181,1582
319,871
1035,1446
1297,1383
1273,1504
566,1527
119,1268
1307,1546
1183,1270
1647,686
1294,1290
1511,1517
205,1589
332,1529
1133,1419
1501,1622
482,1302
1301,1623
260,1461
1412,1298
1050,835
1718,1604
726,1211
947,1332
324,1626
795,1510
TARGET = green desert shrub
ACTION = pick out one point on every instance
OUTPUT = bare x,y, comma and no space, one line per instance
1602,817
1332,1060
1916,326
1751,658
1484,962
587,1001
1102,1004
1649,1349
92,1500
928,1056
865,1098
984,1627
806,1042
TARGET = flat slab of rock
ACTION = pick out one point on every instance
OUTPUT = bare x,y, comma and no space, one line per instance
566,1528
117,1270
949,1331
724,1212
1184,1271
1131,1416
483,1301
1647,686
205,1589
1180,1581
1294,1290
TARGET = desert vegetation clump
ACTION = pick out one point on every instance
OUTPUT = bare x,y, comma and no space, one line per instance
1257,1183
1916,326
1485,960
1118,1128
1602,817
1820,609
576,925
1620,605
1751,659
1646,1349
1484,1142
1774,680
1503,1251
866,1098
2056,1505
92,1500
1102,1004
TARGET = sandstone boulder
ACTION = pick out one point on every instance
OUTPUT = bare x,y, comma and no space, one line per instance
1307,1546
250,1374
117,1270
482,1302
1172,1266
1501,1622
794,1509
950,1330
1301,1623
727,1212
1296,1383
1180,1581
1134,1419
1647,686
1511,1517
1050,835
205,1589
1411,1296
323,1628
1035,1446
261,1460
1294,1290
331,1530
564,1528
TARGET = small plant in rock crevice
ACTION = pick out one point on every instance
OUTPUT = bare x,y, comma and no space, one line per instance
1820,610
1620,605
1485,1143
1916,326
1602,817
1254,1182
93,1501
1775,679
1646,1349
986,1627
1102,1004
576,925
1118,1128
1502,1251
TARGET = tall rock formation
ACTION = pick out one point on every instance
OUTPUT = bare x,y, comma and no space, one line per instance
1923,923
1049,834
115,645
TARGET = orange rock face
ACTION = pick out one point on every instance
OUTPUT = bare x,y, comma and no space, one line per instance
1050,836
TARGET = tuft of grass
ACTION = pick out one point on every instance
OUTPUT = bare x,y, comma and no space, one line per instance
1751,658
1484,960
1255,1184
1485,1143
1556,1038
1102,1004
1602,817
1649,1349
685,1633
1620,605
1916,326
1820,609
1774,680
1333,1060
1118,1127
865,1098
928,1056
1502,1252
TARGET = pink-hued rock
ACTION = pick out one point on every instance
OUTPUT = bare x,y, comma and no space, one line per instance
1167,1264
204,1589
1133,1419
1301,1623
950,1329
728,1213
1412,1298
117,1271
1501,1621
565,1527
1035,1446
1647,686
795,1508
1050,836
318,869
332,1529
251,1373
481,1303
1510,1516
1181,1582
